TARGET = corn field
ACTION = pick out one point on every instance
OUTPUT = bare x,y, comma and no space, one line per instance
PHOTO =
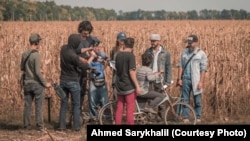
227,44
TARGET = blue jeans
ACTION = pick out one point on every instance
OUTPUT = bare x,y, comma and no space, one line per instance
72,88
33,91
98,97
186,91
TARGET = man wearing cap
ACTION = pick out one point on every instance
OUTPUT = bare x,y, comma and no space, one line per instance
161,63
34,82
191,73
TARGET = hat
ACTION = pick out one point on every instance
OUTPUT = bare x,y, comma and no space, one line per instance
155,37
121,36
35,38
192,38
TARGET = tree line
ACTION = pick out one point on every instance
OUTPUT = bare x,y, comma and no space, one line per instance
31,10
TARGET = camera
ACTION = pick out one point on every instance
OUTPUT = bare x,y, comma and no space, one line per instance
94,41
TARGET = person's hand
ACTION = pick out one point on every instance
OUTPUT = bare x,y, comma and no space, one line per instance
93,54
48,85
83,60
158,73
138,91
199,86
91,48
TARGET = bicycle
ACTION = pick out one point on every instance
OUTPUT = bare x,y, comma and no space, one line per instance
85,116
173,114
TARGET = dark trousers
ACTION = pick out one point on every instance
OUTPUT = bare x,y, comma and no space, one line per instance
33,92
154,96
158,88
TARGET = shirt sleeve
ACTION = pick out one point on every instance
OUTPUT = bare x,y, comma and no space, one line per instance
38,70
151,75
131,62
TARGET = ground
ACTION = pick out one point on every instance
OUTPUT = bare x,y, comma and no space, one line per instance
16,133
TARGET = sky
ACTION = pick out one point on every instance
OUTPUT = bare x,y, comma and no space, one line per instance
153,5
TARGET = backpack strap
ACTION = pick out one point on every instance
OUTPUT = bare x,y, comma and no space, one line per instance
23,75
26,59
188,62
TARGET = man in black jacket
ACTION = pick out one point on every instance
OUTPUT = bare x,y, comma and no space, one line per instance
69,79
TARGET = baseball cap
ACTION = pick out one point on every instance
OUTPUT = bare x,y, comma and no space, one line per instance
121,36
34,37
155,37
192,38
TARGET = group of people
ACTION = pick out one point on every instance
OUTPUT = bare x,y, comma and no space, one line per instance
83,62
147,81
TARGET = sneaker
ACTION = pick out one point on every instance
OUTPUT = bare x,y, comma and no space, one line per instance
61,130
198,120
150,110
41,129
76,130
186,120
27,127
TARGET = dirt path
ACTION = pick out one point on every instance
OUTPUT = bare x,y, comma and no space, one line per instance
46,135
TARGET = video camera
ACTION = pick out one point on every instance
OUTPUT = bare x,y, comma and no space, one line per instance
94,41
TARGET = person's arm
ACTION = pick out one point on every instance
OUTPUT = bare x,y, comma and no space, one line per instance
168,69
38,71
179,74
86,49
151,76
203,67
179,80
132,74
83,60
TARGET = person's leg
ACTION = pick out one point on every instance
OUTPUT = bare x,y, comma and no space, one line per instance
75,96
103,95
130,101
39,100
185,95
119,109
83,92
28,98
64,106
156,98
93,100
162,107
198,105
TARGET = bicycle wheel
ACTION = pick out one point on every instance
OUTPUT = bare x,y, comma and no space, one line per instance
107,113
175,115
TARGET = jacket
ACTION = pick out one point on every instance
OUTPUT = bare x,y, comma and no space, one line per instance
163,63
197,64
32,68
